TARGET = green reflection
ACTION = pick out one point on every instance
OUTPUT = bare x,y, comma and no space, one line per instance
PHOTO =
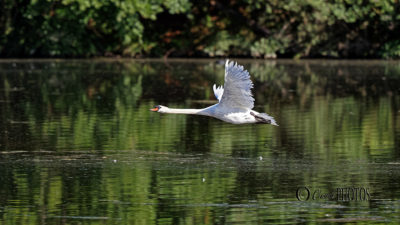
79,145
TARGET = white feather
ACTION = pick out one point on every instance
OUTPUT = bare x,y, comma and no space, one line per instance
218,92
237,87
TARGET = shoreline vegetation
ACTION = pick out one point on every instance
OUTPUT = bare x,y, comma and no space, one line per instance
336,29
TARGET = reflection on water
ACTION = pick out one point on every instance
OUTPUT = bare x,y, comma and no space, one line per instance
78,144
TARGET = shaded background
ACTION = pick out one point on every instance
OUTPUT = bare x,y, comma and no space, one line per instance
183,28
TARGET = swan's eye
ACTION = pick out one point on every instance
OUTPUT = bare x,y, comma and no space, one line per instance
155,109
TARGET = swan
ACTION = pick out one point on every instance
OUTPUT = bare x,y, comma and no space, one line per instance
235,100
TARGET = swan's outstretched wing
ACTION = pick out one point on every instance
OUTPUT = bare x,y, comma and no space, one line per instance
237,87
218,91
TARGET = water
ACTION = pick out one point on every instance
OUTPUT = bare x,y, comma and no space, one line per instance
78,144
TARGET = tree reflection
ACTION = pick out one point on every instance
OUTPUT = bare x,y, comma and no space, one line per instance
64,122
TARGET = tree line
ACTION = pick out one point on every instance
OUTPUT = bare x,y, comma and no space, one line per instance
211,28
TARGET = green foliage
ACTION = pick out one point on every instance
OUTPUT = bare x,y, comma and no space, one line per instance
256,28
267,48
391,49
224,42
78,27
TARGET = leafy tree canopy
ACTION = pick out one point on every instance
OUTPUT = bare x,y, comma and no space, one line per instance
183,28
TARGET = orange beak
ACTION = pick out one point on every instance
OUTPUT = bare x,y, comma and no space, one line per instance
155,109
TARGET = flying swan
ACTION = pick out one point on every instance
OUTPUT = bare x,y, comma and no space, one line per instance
235,100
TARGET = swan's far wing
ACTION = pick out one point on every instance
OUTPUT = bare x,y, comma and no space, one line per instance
237,87
218,91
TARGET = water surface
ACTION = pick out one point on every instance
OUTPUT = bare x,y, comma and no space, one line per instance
78,144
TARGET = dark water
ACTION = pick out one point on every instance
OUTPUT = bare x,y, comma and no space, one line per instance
78,144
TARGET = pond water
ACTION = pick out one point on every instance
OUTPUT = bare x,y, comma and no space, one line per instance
78,144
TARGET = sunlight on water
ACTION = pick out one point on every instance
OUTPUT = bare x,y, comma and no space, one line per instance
78,144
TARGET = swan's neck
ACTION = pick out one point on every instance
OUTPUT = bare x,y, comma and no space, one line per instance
185,111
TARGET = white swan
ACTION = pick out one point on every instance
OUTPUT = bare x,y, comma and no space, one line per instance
235,100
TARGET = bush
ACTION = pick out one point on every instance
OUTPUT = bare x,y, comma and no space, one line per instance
245,28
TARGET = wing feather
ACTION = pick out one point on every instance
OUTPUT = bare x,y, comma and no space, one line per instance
218,92
237,87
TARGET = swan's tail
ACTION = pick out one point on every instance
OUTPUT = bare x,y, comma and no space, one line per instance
265,118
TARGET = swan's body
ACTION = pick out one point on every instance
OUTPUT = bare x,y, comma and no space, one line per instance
235,100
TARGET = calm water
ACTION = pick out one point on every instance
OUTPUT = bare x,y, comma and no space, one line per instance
78,144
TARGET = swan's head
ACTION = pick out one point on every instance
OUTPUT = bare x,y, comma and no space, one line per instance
159,108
